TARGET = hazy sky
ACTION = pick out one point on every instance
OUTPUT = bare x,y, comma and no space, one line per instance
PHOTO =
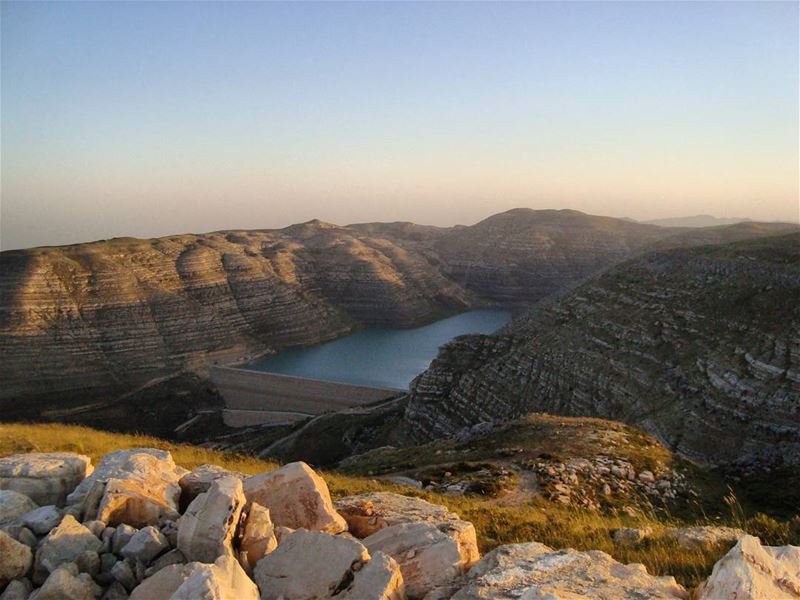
150,118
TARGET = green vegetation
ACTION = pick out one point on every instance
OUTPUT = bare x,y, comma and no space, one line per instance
535,520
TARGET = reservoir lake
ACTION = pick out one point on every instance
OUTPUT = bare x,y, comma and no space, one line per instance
383,358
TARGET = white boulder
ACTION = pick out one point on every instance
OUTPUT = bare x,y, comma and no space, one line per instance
750,570
309,564
63,544
41,520
222,580
15,559
141,488
206,529
534,571
46,478
12,506
258,536
379,579
145,545
199,479
65,583
369,513
296,497
708,535
428,555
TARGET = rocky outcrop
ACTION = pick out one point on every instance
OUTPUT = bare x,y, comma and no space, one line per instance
751,570
696,346
399,548
536,571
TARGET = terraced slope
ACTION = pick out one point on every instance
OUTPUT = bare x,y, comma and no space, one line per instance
698,346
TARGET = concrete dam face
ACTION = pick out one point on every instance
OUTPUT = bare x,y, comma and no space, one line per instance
259,398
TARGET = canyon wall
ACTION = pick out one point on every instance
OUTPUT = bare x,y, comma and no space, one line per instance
699,346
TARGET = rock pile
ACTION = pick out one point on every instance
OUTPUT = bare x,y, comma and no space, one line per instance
140,527
591,483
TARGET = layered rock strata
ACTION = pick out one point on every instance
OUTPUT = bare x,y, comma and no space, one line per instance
700,347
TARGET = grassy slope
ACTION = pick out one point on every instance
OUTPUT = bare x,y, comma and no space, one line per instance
544,522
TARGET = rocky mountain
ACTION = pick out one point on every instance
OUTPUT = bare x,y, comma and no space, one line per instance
698,346
83,326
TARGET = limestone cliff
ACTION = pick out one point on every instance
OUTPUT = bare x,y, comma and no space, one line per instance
699,346
94,320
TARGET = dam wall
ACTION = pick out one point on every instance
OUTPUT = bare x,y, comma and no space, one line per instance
258,398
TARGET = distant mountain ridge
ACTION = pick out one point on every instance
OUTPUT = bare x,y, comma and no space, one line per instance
697,221
86,324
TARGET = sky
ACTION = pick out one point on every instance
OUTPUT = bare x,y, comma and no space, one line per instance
154,118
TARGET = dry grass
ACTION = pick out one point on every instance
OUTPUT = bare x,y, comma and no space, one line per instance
541,521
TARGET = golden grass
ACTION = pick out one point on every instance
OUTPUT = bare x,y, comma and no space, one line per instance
558,527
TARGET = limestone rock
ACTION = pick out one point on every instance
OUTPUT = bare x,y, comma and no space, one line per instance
121,536
125,574
88,562
222,580
12,506
27,537
145,545
535,571
199,479
162,584
65,583
629,536
116,591
428,555
750,570
46,478
308,564
368,513
63,544
703,536
15,558
379,579
141,488
258,535
19,589
206,529
173,557
96,527
296,497
42,520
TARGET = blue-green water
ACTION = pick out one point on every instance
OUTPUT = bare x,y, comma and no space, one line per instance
386,358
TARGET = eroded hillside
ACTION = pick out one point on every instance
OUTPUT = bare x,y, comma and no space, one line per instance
698,346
